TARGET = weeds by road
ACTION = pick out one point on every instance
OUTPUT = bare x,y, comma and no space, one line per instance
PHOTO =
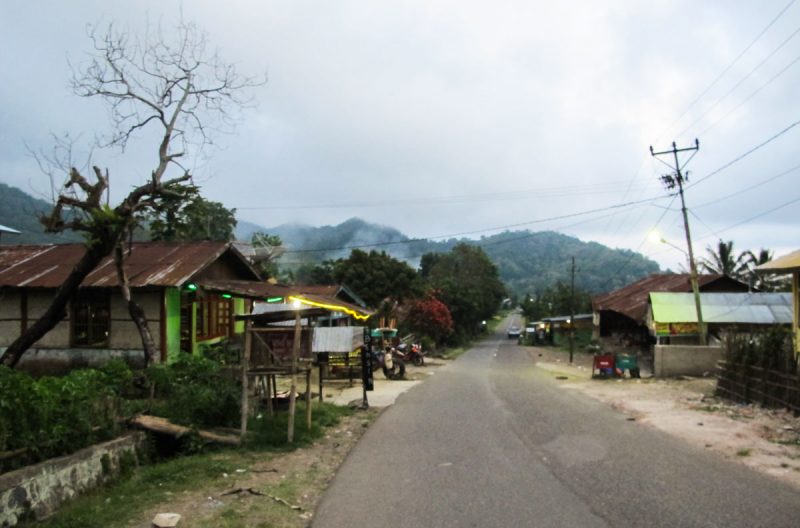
266,483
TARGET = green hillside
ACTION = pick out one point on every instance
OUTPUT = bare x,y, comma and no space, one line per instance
21,212
528,261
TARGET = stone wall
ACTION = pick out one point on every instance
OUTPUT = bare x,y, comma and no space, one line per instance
37,491
677,360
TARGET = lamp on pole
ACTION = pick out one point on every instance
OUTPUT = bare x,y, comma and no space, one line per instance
671,181
657,238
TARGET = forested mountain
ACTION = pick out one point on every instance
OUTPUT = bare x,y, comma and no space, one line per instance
21,212
528,261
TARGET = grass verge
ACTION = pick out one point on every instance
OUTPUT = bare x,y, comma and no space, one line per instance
121,502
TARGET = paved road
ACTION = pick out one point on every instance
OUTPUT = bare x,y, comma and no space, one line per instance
491,441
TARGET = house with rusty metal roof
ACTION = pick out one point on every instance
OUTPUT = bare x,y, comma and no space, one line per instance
620,316
182,287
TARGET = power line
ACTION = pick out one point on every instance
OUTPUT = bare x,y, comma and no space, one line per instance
739,83
567,190
755,92
756,217
748,188
729,66
742,156
498,228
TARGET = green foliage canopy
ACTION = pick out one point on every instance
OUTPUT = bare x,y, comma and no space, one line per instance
376,276
467,281
183,214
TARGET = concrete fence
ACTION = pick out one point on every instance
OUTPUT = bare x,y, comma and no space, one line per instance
35,492
677,360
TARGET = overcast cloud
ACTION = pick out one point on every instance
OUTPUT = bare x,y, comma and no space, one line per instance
448,117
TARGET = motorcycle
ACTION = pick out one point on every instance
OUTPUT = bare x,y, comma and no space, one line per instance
411,353
385,359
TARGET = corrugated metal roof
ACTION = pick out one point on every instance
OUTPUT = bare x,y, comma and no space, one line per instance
732,308
337,339
784,264
148,264
631,300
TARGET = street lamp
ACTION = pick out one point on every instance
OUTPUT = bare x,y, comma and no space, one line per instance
654,236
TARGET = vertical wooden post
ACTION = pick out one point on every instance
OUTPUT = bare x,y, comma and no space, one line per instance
293,389
308,398
320,382
270,396
248,343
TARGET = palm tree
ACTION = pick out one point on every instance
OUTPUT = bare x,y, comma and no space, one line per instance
721,261
761,282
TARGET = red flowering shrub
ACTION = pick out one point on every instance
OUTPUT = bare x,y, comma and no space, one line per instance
430,317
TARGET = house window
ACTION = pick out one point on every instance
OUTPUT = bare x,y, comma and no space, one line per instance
91,319
213,317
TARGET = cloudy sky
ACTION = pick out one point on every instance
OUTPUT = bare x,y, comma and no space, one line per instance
442,118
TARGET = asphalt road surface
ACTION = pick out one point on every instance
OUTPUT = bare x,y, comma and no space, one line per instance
490,440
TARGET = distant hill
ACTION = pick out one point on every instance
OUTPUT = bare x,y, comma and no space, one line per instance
20,211
527,261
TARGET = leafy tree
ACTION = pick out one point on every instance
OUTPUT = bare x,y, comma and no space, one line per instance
322,273
267,249
185,215
467,282
430,317
375,277
178,88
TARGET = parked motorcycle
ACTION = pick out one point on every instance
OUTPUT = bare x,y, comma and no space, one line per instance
412,353
389,362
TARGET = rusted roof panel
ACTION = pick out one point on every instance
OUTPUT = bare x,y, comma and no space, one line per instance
631,300
147,264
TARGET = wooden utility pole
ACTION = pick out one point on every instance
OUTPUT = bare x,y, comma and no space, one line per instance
572,311
670,182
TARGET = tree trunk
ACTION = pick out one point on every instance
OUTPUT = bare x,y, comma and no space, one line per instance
137,313
57,310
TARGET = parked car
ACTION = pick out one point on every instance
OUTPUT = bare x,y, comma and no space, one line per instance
513,332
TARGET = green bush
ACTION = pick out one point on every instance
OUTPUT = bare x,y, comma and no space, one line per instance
53,416
196,391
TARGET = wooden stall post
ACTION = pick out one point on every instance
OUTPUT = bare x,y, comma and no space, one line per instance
308,398
292,398
248,343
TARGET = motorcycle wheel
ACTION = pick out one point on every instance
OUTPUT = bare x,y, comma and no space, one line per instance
419,360
397,371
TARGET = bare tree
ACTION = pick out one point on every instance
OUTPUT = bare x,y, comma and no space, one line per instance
179,88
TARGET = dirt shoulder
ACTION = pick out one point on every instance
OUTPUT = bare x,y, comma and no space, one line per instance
766,440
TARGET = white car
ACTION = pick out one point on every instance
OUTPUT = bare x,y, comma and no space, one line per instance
513,332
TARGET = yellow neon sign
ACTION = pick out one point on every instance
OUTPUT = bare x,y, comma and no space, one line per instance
334,307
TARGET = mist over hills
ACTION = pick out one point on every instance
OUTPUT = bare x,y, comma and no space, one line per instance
528,261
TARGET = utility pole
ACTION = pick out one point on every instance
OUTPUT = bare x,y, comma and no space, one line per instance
572,311
670,182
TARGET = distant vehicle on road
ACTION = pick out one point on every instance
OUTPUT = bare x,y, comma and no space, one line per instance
513,332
